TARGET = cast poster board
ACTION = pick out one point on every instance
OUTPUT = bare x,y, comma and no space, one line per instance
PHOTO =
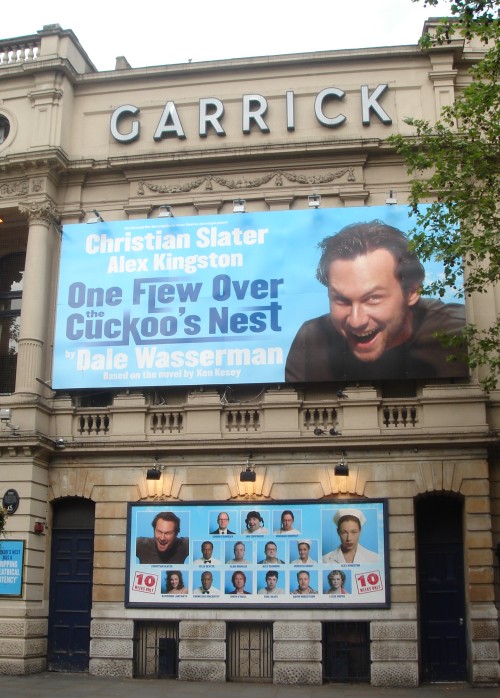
153,582
11,567
205,300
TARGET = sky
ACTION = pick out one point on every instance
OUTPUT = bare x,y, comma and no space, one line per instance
161,33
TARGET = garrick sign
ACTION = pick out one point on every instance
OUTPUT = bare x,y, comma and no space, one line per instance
126,127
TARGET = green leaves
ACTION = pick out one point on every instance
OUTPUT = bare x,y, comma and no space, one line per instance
467,19
454,163
3,519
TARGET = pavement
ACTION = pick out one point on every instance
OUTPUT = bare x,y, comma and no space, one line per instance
58,685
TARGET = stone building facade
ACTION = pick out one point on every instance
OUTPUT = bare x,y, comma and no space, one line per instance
123,143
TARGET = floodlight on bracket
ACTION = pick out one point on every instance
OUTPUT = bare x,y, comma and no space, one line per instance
155,472
248,473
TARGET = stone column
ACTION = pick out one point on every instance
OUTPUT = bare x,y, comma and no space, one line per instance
36,304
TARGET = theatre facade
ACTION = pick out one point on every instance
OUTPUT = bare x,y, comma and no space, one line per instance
161,350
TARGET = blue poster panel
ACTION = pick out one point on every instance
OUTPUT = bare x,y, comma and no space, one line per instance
11,567
280,554
298,296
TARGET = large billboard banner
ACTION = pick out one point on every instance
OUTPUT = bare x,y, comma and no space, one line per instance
298,296
287,553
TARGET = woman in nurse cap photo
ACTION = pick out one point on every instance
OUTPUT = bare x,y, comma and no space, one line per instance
349,524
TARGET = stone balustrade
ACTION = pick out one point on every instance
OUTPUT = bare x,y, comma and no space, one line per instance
277,414
20,50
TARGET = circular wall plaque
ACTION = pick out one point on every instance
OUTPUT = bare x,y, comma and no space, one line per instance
10,501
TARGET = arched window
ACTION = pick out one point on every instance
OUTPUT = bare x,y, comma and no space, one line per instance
4,128
11,292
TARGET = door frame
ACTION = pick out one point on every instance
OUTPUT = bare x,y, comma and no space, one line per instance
71,517
444,505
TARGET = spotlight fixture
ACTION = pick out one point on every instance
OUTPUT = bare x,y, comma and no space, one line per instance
154,473
239,206
314,201
60,444
165,211
248,473
324,432
342,395
97,219
5,420
342,468
5,414
391,199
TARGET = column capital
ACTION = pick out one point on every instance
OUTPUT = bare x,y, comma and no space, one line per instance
43,212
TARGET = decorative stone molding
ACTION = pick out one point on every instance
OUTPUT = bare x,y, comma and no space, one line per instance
236,184
49,95
19,187
39,212
37,185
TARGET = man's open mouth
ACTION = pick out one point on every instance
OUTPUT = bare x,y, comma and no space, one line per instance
365,337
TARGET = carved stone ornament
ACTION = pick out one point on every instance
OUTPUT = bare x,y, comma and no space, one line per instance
18,188
37,185
236,184
39,211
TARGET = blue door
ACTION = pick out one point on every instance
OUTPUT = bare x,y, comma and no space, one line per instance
70,600
441,589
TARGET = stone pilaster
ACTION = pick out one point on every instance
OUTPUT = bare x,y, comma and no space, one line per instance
394,653
297,652
202,650
38,273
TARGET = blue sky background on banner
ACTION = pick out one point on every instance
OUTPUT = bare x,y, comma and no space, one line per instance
225,308
317,524
371,534
347,584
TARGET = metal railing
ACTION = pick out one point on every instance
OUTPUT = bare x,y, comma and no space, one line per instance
249,652
156,650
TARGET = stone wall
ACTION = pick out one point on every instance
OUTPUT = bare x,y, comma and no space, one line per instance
400,477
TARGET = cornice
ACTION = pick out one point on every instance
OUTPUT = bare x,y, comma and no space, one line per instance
49,159
56,65
56,161
278,151
306,445
306,61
